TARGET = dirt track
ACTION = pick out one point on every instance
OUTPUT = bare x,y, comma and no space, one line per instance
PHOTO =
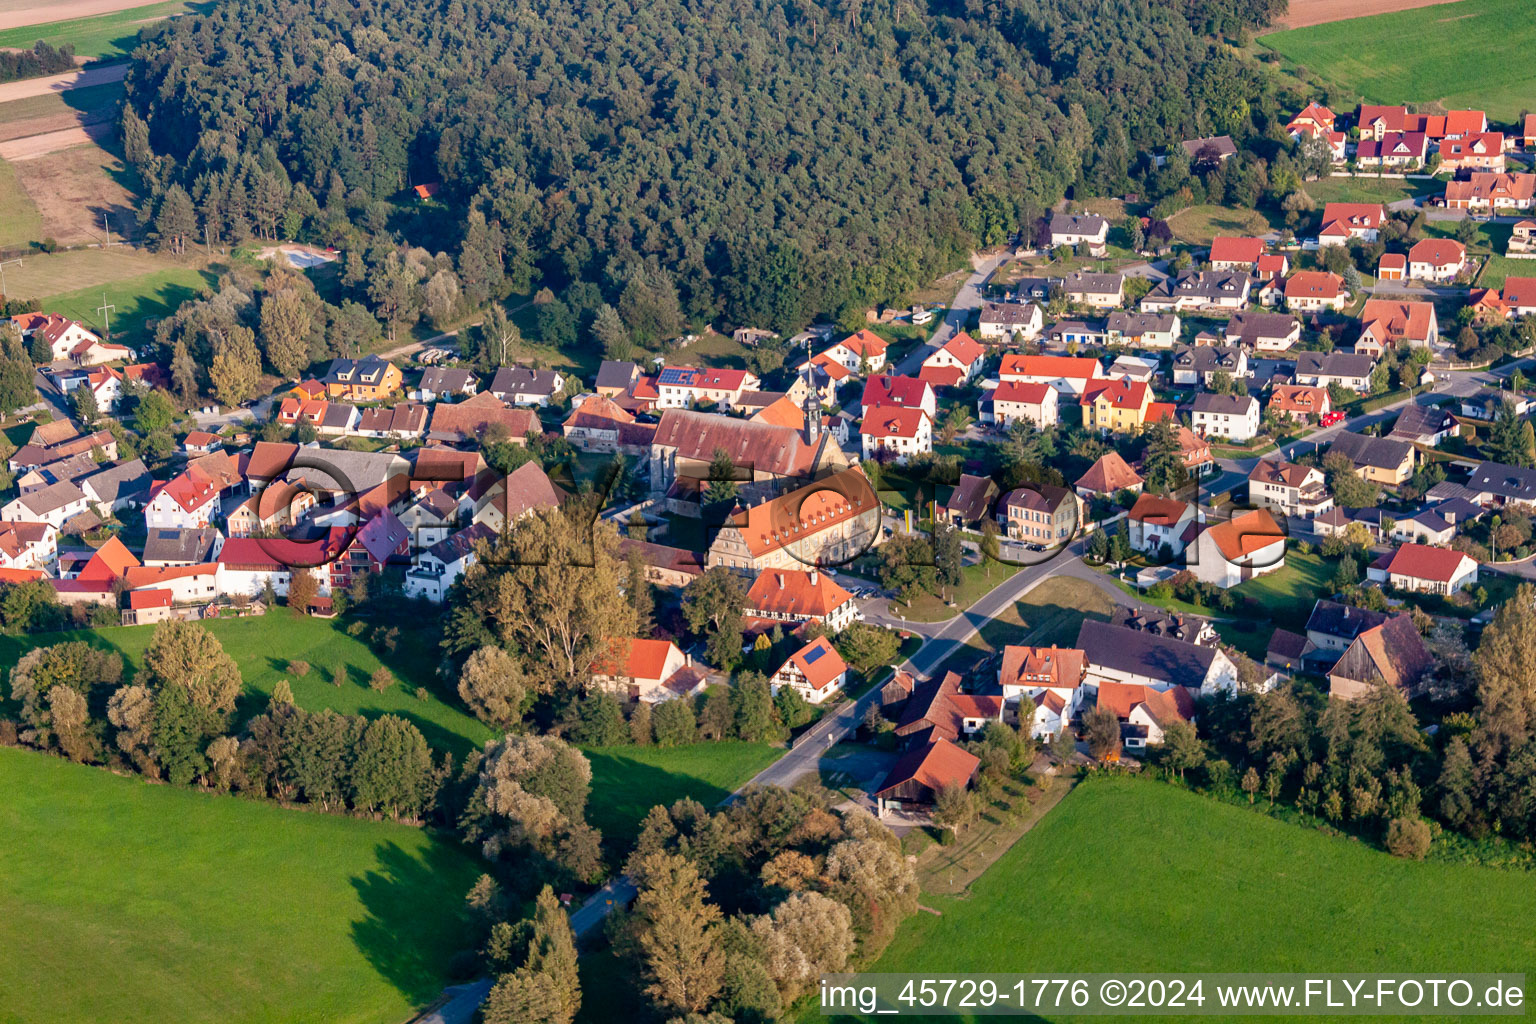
62,10
1321,12
30,87
34,146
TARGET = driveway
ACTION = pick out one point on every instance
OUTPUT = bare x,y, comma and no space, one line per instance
967,300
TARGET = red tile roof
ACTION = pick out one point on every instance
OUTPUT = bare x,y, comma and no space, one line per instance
640,659
1016,391
1050,367
887,389
1242,536
1313,284
1108,475
865,343
1236,250
805,511
110,561
1157,510
819,669
791,592
936,766
892,421
964,348
1437,252
1165,706
1424,562
1061,667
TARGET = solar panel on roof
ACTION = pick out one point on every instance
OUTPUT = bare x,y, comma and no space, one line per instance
814,654
674,375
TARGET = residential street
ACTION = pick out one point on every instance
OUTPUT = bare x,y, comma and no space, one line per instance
967,300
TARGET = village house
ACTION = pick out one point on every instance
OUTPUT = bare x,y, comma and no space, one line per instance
1141,656
773,457
440,566
1377,459
1068,374
521,493
1491,193
1269,278
1145,714
1300,402
825,523
399,422
795,595
1288,488
1390,323
1005,321
62,335
1427,425
1011,401
1199,290
1041,514
902,392
1520,296
939,711
1079,229
1100,291
1118,407
1344,221
816,672
918,776
1210,151
970,502
1314,119
1437,260
1333,626
1522,237
1069,336
28,545
1394,151
1308,291
187,501
1495,484
1245,546
1198,364
1135,369
1264,333
1026,673
444,383
600,424
119,486
859,353
1231,417
1228,253
615,377
1346,369
369,379
1142,330
1482,151
1155,521
1109,474
524,385
168,548
103,382
647,671
1391,653
954,363
901,433
1424,569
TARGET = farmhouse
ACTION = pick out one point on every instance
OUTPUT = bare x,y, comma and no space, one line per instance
816,671
916,779
1139,656
1391,653
1145,714
793,595
650,671
525,385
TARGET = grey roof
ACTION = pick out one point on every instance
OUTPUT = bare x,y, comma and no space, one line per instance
192,546
616,373
1202,284
447,379
1379,452
71,468
1344,621
340,469
1077,224
1140,323
1222,144
1223,405
338,414
1334,364
1458,510
1432,521
1007,312
1249,327
1207,358
523,380
1141,653
120,482
367,369
1512,483
1418,421
1148,619
971,497
1289,646
54,496
1447,491
1083,281
1034,287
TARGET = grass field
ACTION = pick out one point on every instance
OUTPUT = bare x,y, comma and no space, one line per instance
1366,56
1051,613
107,35
40,274
91,98
1288,594
1369,190
975,584
123,902
628,781
1141,877
22,222
1501,267
263,646
138,300
1197,225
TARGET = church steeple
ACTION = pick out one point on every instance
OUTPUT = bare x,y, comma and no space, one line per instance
812,404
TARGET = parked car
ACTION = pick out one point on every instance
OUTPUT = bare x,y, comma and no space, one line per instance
1337,416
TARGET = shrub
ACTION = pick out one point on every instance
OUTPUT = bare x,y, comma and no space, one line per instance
338,675
381,679
298,668
1408,838
422,693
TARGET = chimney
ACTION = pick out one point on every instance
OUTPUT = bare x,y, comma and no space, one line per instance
781,581
813,576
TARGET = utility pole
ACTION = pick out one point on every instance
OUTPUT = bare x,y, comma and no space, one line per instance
3,264
107,228
106,321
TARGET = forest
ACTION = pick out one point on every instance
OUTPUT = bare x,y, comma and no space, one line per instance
774,159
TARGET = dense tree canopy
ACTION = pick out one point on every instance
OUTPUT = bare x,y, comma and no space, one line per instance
772,159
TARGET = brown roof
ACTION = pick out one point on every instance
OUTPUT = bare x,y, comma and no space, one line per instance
933,766
1109,474
1392,652
1042,666
468,420
1242,536
805,511
781,451
1300,398
1273,471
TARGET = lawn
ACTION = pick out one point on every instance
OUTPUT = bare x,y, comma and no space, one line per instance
21,223
1051,613
1367,59
1286,596
125,902
1501,267
106,36
1369,190
1197,225
975,584
138,300
1152,878
628,781
264,645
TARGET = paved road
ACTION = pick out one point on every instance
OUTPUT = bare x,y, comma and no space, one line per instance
1419,291
967,300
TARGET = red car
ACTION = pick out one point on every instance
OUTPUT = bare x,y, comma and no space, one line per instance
1337,416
